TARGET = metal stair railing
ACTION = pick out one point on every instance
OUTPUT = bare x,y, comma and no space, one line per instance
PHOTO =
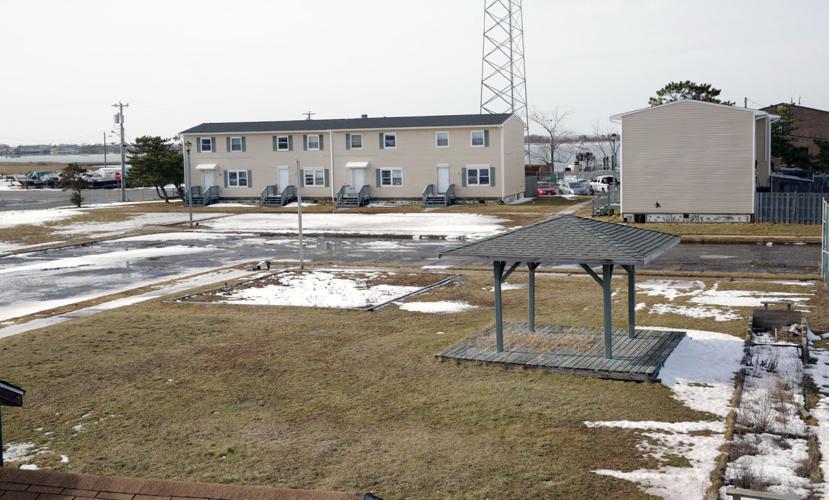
449,195
428,191
364,195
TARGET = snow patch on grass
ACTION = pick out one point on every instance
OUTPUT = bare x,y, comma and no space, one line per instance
334,289
14,218
700,373
699,312
439,307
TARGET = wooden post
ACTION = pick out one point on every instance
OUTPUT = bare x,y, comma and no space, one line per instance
498,271
531,266
631,270
607,275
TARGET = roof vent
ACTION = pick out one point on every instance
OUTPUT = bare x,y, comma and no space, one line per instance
363,116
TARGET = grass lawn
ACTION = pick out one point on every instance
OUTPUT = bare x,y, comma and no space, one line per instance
336,399
733,228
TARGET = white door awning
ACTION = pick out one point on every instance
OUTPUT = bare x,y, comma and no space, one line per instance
356,164
206,166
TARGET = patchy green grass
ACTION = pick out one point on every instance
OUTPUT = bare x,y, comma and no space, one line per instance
330,399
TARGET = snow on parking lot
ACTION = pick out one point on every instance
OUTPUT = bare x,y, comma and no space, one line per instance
454,226
700,373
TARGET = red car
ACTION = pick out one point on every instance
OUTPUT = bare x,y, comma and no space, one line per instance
544,188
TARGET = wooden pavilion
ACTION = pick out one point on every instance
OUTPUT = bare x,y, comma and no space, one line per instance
568,239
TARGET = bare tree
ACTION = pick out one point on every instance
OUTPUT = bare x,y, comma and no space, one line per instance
553,125
607,140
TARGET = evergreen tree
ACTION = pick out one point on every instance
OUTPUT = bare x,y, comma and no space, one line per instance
156,163
676,91
71,179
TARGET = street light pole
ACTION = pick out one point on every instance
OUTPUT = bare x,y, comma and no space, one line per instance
187,182
299,217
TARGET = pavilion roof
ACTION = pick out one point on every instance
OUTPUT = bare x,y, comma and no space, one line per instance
568,239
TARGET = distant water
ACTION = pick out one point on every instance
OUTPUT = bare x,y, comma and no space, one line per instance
112,158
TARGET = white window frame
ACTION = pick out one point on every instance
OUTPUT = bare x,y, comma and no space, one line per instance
287,143
472,138
317,181
389,134
391,171
478,169
351,141
437,139
209,141
240,144
308,142
238,178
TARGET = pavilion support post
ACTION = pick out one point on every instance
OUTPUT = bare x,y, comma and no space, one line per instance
607,275
531,266
631,270
498,271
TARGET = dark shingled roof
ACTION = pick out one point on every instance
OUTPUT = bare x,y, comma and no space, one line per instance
391,122
567,239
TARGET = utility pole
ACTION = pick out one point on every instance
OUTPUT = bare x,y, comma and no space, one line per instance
105,148
299,216
120,117
308,115
745,102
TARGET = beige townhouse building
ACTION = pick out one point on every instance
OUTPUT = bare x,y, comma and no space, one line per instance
436,159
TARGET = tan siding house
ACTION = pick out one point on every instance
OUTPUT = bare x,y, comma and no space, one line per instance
396,158
693,161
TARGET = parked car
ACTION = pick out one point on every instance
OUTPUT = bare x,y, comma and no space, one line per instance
601,184
575,186
544,188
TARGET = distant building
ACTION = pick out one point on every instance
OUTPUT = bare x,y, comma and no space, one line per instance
65,149
693,161
807,125
32,149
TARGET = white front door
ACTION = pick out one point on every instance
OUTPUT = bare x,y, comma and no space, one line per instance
208,179
358,178
443,179
282,177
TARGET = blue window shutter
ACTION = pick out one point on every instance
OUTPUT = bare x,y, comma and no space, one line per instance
226,177
326,177
244,144
302,177
347,141
198,144
492,176
382,142
250,178
463,177
486,138
290,143
275,142
379,178
212,144
227,143
321,145
305,142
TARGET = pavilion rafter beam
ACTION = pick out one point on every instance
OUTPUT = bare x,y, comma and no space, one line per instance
512,268
593,274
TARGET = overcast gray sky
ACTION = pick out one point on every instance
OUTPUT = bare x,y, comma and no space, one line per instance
180,63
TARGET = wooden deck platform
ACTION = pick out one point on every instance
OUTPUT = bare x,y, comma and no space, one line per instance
578,351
